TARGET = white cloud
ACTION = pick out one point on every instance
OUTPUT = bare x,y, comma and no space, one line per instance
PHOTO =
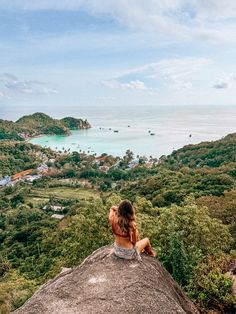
181,19
225,81
179,68
183,85
132,85
12,84
176,72
3,96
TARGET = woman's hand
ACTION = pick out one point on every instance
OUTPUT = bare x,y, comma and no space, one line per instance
114,208
112,213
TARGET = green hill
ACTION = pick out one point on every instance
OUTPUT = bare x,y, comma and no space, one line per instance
210,154
37,124
74,124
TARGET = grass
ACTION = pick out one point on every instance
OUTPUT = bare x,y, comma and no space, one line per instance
39,196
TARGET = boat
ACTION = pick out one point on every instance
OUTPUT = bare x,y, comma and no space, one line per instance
152,133
116,131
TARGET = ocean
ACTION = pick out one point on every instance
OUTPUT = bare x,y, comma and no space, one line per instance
145,130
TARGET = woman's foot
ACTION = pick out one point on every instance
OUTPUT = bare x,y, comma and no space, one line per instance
150,252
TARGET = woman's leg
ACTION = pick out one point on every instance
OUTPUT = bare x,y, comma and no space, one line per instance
144,245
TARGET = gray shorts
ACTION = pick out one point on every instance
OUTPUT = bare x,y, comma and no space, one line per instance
121,252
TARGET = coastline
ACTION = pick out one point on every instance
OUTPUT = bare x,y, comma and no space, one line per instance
102,142
33,137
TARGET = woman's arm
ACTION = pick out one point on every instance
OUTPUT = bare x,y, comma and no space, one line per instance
112,213
134,234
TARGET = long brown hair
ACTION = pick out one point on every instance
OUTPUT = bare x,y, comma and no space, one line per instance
125,214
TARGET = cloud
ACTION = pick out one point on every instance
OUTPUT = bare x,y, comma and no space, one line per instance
183,85
220,85
225,81
12,84
177,68
181,19
132,85
3,96
176,73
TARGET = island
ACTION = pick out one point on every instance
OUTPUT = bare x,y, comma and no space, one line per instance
39,124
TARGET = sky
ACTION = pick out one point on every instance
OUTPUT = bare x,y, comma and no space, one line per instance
109,52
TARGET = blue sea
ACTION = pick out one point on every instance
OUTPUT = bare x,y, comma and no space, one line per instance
116,129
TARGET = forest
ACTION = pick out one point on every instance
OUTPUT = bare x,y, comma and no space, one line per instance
38,124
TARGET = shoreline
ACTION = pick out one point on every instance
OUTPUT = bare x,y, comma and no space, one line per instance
35,136
82,145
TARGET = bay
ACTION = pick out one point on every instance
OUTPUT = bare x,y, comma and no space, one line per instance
172,126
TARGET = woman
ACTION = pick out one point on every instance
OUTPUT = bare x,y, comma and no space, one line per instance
127,242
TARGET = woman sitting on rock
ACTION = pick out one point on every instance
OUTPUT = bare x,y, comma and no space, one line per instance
127,242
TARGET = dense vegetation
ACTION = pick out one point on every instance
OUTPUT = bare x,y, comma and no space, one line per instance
74,124
37,124
211,154
185,203
19,156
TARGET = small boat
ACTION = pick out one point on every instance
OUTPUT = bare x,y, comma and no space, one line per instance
116,131
128,126
149,131
152,133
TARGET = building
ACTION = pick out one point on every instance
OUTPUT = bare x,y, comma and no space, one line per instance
53,208
99,159
133,164
30,178
42,168
5,181
21,174
57,216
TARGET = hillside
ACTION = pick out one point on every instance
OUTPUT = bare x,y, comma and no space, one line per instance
104,283
38,124
211,154
19,156
187,211
75,124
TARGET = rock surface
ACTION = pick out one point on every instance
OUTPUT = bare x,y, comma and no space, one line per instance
104,283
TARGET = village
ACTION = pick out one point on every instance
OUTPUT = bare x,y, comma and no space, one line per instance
103,162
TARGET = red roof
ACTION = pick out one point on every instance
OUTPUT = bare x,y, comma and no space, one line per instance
21,174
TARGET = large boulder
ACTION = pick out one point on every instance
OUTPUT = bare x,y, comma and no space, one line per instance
104,283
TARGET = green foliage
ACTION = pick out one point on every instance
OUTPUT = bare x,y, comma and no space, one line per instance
74,124
196,228
176,260
19,156
186,234
211,154
211,286
113,199
15,289
36,124
168,186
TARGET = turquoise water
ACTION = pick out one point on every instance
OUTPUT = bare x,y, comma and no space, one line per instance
171,126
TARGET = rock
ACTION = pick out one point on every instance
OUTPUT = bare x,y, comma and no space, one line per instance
104,283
